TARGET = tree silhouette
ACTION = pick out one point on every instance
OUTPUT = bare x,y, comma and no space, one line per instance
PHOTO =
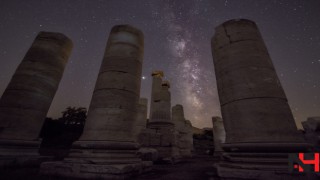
59,134
73,115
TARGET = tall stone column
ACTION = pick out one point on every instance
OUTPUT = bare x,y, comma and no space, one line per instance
219,134
107,148
254,106
155,90
160,108
28,96
259,125
160,119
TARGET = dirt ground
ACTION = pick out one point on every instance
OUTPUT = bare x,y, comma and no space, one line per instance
196,168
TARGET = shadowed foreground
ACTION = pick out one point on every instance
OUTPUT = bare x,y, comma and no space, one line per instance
199,167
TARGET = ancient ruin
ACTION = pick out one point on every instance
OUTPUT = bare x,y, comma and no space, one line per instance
255,111
183,130
219,134
107,148
27,98
160,133
118,142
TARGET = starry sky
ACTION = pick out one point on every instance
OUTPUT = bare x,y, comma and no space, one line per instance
177,41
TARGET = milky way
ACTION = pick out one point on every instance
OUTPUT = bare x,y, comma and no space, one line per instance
177,40
193,84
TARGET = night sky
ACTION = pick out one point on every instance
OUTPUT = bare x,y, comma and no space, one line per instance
177,40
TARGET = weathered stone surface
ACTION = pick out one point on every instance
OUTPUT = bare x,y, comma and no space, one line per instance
255,111
148,154
248,86
20,153
91,171
219,134
149,137
141,121
117,90
161,139
160,108
178,118
160,134
27,98
107,147
183,129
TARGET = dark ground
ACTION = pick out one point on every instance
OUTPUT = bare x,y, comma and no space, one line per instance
198,168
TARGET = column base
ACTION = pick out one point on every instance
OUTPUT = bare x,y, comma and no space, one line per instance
168,154
262,166
94,171
260,161
99,159
267,147
161,136
20,153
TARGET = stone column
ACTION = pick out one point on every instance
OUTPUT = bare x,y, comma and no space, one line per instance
219,134
160,118
107,148
177,115
160,108
254,106
155,90
116,94
259,125
181,130
28,96
141,121
165,106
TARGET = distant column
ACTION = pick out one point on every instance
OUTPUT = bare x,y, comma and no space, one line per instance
26,101
253,104
219,134
189,137
160,121
183,129
177,114
160,108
